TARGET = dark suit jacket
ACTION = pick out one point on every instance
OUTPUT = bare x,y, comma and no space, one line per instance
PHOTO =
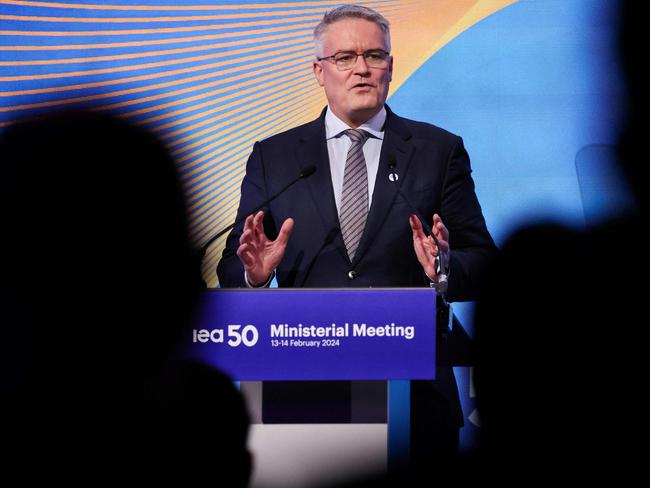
434,172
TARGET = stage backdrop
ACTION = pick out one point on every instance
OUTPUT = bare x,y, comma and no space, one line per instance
532,86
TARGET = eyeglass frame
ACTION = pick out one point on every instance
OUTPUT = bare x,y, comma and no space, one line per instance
364,53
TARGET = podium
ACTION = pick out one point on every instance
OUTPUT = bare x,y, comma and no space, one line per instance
324,334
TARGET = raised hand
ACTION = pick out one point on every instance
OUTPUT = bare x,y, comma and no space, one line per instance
259,255
425,246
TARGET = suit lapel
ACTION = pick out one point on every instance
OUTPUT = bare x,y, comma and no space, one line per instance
396,145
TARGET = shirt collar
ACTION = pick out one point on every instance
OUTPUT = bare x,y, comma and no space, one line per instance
375,126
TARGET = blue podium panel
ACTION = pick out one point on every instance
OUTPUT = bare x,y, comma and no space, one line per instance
324,334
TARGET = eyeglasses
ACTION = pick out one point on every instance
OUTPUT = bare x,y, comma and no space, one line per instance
345,60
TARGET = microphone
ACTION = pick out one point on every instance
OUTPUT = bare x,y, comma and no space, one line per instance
441,265
305,172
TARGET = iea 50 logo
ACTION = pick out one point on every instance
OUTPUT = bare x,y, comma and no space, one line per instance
234,335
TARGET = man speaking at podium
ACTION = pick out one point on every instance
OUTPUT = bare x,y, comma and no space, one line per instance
352,223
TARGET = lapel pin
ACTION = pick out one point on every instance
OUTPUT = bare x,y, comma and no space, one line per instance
392,176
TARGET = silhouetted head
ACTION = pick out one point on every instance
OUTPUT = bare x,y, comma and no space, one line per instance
99,281
98,257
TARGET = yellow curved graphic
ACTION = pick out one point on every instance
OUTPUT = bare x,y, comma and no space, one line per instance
286,22
269,9
431,26
177,8
156,42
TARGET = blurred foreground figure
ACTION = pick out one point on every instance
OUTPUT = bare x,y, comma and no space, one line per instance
559,372
98,287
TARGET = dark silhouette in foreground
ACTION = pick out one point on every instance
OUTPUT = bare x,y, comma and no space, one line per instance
99,284
558,333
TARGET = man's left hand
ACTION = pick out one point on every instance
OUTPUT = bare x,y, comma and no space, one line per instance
425,246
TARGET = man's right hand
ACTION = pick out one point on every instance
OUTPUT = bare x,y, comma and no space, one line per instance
258,254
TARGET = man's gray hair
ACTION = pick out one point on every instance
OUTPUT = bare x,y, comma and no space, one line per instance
349,12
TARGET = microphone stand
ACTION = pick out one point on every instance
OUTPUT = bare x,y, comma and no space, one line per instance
305,172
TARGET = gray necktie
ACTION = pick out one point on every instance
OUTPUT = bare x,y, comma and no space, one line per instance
354,199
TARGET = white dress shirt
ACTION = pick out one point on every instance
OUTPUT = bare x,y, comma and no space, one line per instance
339,144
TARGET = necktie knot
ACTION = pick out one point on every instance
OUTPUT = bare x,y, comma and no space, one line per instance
357,136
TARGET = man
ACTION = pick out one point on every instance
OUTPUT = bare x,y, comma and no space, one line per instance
348,226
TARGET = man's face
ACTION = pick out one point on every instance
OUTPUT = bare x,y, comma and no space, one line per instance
359,93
